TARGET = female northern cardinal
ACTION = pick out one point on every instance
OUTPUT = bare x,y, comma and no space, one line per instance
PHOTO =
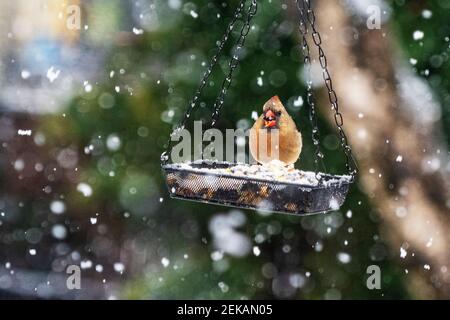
275,127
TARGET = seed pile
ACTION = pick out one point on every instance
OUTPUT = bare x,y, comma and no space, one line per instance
274,171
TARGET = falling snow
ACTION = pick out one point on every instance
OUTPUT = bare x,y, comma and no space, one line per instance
24,132
193,14
165,262
344,257
260,81
418,35
403,253
57,207
25,74
138,31
427,14
298,102
119,267
85,189
53,74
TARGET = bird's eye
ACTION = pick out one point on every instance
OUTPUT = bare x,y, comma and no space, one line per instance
278,113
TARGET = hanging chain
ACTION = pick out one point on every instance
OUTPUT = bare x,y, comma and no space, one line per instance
339,120
315,135
305,12
252,9
203,82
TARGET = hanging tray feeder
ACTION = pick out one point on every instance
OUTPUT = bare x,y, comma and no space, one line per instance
198,183
215,183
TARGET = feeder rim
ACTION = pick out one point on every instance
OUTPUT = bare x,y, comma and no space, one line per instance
348,179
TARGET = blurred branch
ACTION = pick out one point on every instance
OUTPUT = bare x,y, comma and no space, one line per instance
391,146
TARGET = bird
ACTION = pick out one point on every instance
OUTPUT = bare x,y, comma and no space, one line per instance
275,120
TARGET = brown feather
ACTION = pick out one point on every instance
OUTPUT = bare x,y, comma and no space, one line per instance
289,138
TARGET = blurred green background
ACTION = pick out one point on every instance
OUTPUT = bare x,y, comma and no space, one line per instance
86,186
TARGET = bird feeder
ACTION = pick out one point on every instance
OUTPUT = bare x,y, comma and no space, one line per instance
216,183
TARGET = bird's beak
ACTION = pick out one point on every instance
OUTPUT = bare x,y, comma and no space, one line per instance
270,120
270,124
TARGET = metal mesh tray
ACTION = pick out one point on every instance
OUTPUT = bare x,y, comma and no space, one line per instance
251,193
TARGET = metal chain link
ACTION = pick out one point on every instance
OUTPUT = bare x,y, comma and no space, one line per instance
305,11
315,135
164,156
339,120
252,10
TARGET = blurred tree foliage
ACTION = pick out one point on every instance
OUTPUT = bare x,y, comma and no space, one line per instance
155,74
432,52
